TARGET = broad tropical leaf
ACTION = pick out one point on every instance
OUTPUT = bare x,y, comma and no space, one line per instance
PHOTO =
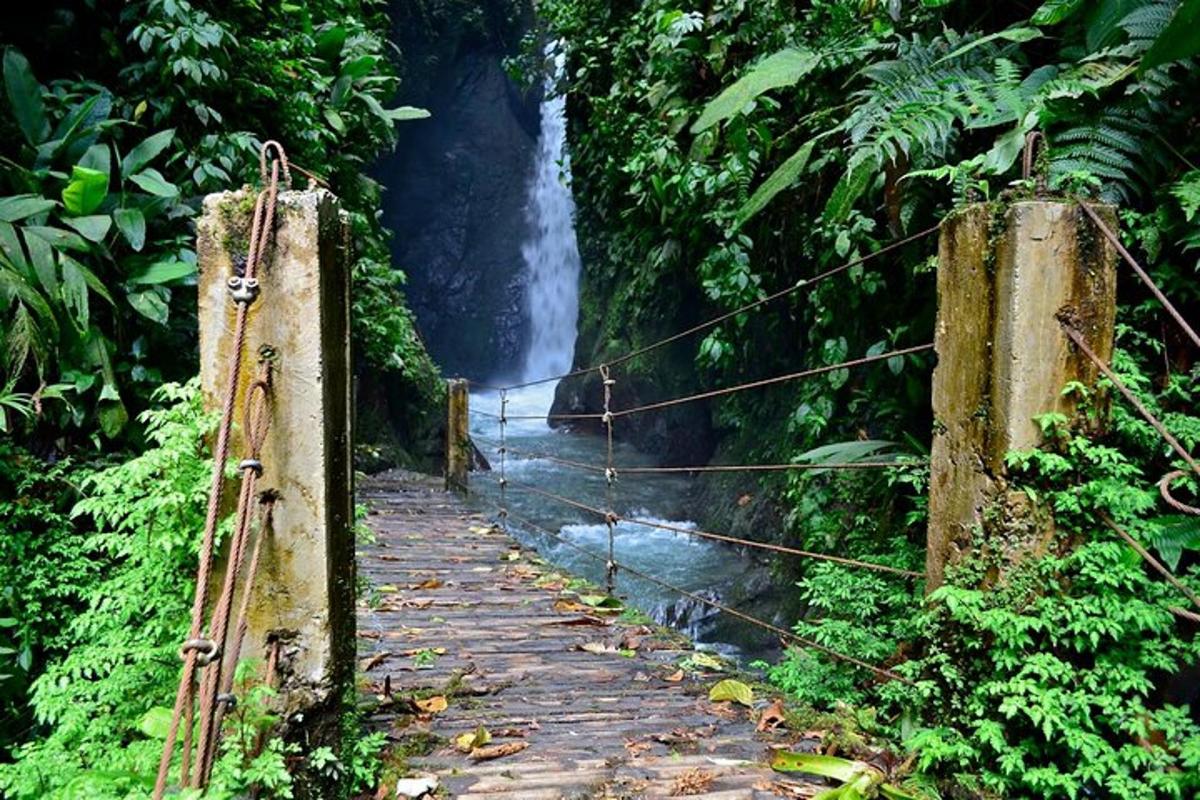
784,68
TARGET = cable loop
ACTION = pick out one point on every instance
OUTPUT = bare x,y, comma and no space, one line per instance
206,651
1035,143
280,156
1164,489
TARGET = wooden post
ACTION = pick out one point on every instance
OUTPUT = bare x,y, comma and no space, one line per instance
458,437
1003,275
304,595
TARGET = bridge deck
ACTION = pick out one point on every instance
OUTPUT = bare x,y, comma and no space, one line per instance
464,613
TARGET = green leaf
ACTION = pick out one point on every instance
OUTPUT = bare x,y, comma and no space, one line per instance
93,282
74,292
1017,35
156,722
329,43
730,690
840,769
56,237
20,206
151,305
390,115
86,190
41,258
335,120
93,228
99,158
164,272
1053,12
780,179
848,190
1179,40
363,65
152,181
784,68
10,247
25,97
131,222
146,151
111,411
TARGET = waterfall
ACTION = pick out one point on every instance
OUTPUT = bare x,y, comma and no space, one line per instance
551,255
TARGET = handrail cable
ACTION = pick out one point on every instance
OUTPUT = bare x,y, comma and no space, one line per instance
741,387
781,632
1075,336
720,537
808,373
1115,241
640,470
801,284
1158,566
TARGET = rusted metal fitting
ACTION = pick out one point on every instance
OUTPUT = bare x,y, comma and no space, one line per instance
611,518
503,482
610,474
251,463
228,699
207,651
243,290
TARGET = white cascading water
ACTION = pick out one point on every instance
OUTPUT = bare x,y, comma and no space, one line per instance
552,255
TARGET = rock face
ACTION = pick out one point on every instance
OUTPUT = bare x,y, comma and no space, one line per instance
456,189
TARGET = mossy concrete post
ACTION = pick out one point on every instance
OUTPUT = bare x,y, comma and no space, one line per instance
304,594
458,436
1004,274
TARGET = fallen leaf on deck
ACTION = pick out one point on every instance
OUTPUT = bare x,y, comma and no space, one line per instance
694,781
479,529
481,569
432,705
599,648
635,748
596,621
601,602
730,690
570,607
432,583
704,661
368,664
631,642
497,750
370,634
512,733
771,718
674,677
466,742
388,587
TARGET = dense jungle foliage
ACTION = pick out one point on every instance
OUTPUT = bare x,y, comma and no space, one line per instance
117,118
728,149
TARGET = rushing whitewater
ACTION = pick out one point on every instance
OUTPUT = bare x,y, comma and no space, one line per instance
552,255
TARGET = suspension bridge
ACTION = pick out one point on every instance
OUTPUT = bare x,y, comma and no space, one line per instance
497,674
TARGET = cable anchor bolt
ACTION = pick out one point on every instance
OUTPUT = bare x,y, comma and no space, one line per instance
244,291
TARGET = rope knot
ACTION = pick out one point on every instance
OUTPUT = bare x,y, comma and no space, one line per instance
611,518
607,418
610,474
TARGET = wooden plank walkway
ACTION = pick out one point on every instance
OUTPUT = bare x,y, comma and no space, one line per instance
463,613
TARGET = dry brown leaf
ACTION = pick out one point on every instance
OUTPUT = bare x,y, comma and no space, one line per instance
635,747
432,583
598,648
497,750
674,677
772,717
694,781
432,705
368,664
370,634
596,621
570,607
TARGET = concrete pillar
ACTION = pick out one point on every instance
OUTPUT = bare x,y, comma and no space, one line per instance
458,436
305,590
1003,275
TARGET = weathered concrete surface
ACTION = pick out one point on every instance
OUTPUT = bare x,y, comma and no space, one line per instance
1003,276
306,585
458,436
467,615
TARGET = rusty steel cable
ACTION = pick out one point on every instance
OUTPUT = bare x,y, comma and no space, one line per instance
803,283
783,633
243,289
1157,565
741,387
503,454
1075,336
719,537
265,519
622,469
1164,489
257,417
1115,241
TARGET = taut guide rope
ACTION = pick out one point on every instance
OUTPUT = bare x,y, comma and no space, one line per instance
775,629
200,650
